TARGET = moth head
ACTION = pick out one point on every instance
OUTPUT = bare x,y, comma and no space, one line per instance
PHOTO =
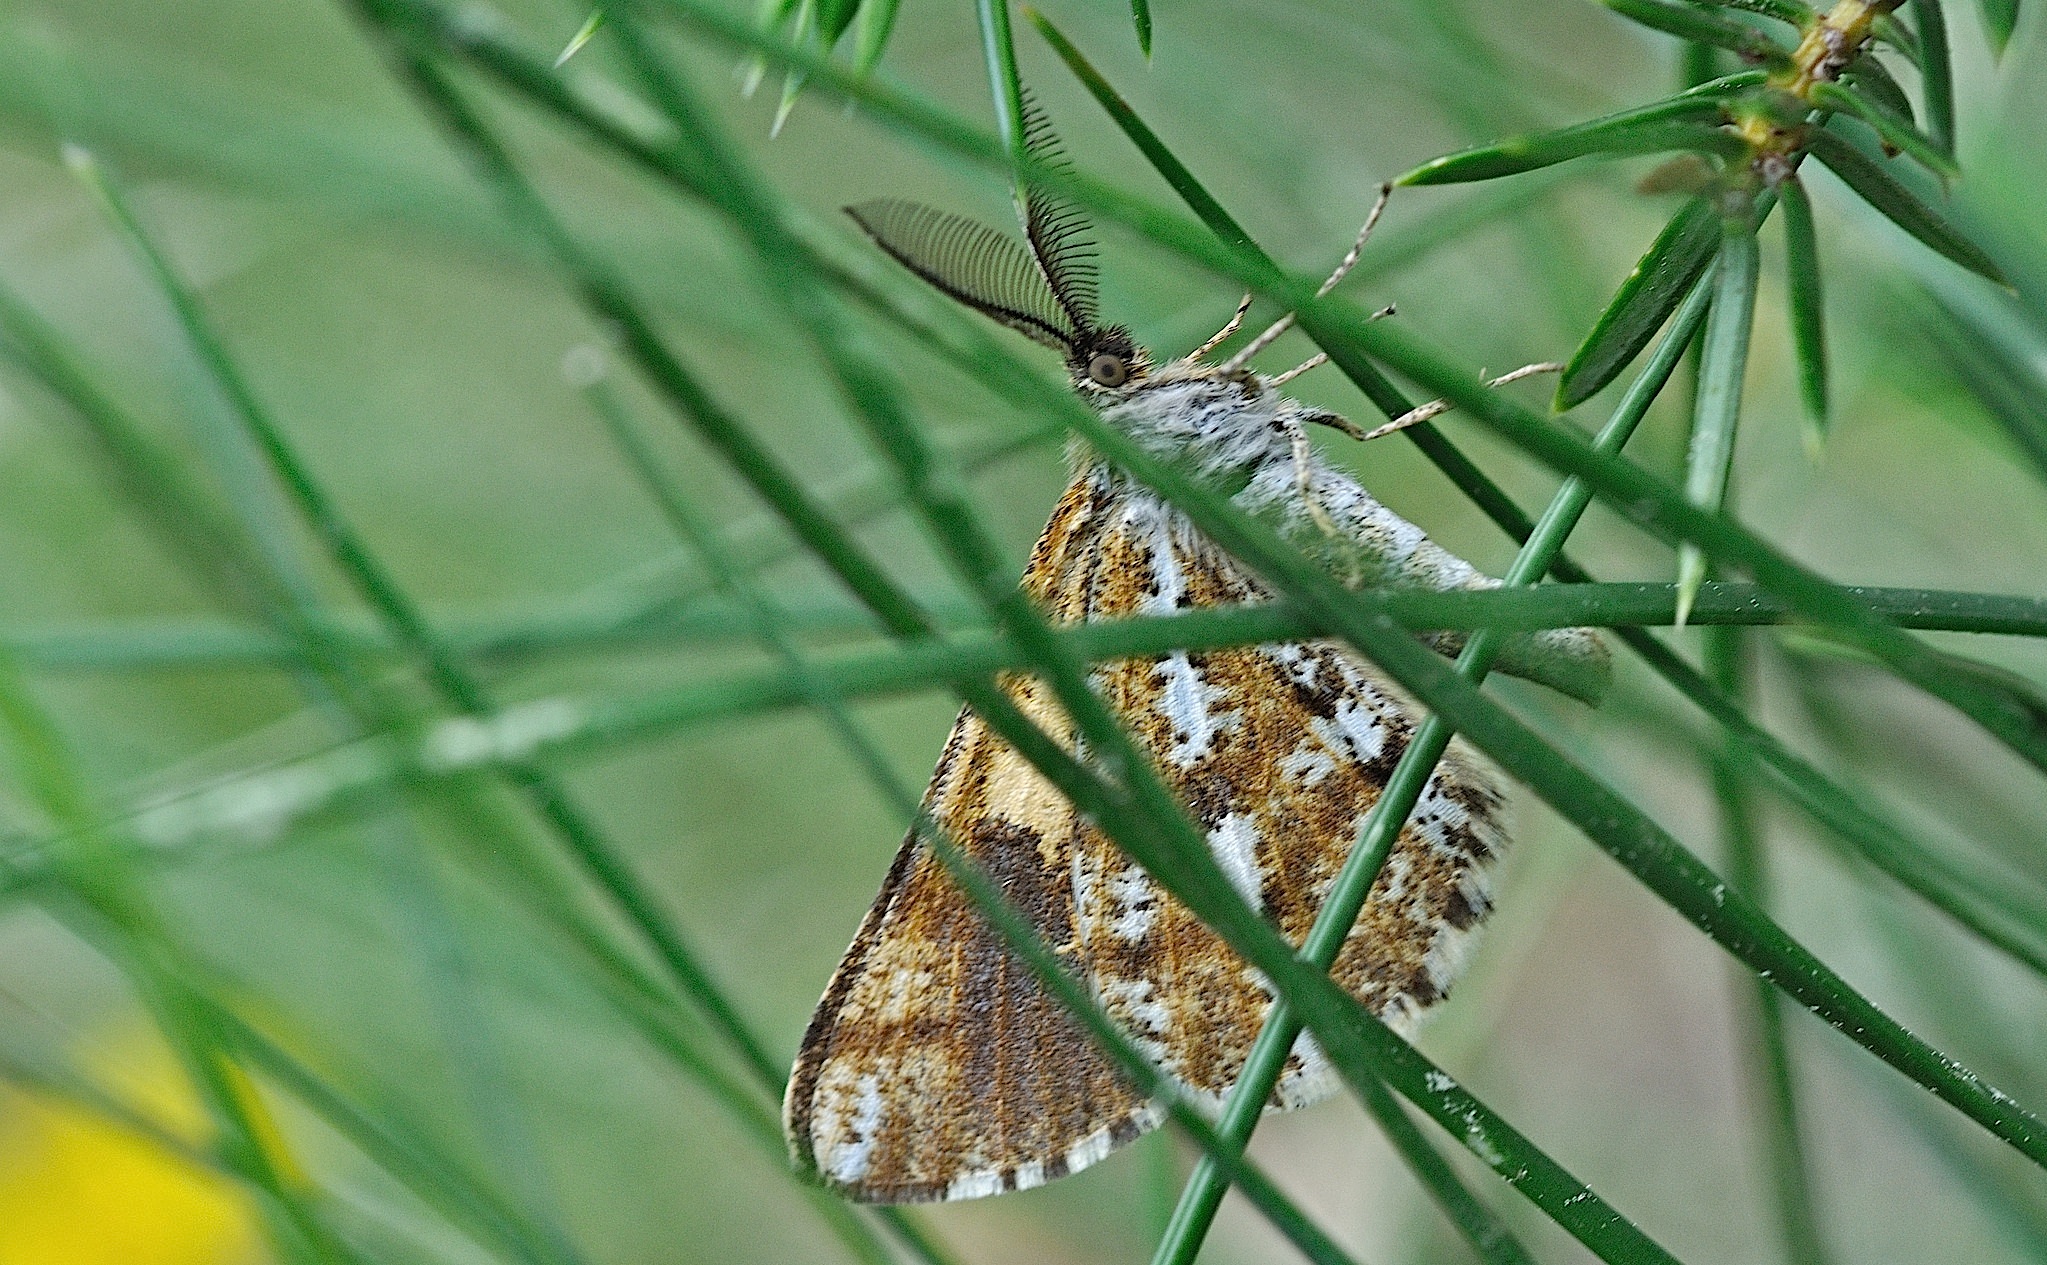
1043,288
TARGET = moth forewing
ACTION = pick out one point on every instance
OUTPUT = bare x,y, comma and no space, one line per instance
938,1068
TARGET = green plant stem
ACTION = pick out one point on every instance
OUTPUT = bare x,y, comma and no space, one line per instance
729,576
1723,368
158,645
220,554
338,682
1772,1081
1805,297
1996,906
577,830
47,1074
469,1030
998,50
388,1141
394,24
116,920
1936,73
1892,131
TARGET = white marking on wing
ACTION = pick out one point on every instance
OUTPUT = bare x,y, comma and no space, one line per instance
1294,658
1189,704
1436,815
1166,575
1091,1149
1359,731
975,1185
1234,841
1135,902
907,989
1391,886
1136,999
1087,890
1309,763
1316,1079
850,1143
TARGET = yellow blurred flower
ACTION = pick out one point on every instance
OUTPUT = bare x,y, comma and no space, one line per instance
77,1191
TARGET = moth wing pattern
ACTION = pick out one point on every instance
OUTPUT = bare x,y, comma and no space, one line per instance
937,1067
1278,751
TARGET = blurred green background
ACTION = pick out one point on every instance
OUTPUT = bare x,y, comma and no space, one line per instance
411,344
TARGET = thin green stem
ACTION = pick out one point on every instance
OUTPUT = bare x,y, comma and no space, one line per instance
1772,1081
578,831
388,1141
1723,369
161,645
48,1074
998,51
1936,73
395,24
1805,295
766,620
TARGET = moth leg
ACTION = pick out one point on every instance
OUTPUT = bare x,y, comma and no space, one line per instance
1357,248
1236,363
1234,323
1436,408
1304,473
1311,362
1334,421
1321,358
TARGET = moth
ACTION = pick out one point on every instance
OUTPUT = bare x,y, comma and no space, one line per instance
936,1067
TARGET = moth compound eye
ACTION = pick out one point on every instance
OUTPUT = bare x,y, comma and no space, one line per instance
1108,371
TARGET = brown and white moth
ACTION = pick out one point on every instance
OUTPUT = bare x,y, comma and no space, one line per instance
936,1067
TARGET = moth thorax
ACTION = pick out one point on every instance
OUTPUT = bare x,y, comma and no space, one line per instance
1213,429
